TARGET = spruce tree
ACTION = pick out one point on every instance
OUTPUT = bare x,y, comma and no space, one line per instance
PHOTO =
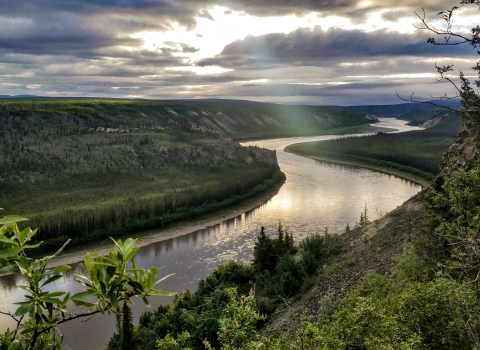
127,327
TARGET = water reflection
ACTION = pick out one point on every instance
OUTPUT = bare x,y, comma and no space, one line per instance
315,195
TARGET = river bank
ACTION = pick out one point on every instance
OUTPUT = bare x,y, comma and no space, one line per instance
186,227
385,170
176,230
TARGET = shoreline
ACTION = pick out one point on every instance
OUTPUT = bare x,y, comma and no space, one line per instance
372,128
177,230
405,176
187,227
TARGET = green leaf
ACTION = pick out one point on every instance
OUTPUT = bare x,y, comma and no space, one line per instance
62,268
135,285
118,244
113,300
132,253
162,293
51,279
88,261
66,299
8,241
163,279
78,275
52,300
15,345
11,219
31,246
25,307
83,295
25,235
54,294
23,262
8,253
82,303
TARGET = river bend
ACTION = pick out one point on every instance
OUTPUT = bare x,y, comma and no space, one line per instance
315,195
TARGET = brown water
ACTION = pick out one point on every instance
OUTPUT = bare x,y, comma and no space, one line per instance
315,195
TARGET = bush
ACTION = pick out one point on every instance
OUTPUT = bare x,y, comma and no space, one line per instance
290,275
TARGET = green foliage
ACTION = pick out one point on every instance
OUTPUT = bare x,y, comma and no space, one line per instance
238,322
379,314
107,281
289,274
127,327
198,313
311,250
364,220
141,215
267,251
212,316
417,152
88,170
171,343
390,313
239,121
454,238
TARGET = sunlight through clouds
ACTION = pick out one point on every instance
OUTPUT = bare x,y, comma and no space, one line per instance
317,52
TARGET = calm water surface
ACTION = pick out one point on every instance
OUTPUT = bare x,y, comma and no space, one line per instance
315,195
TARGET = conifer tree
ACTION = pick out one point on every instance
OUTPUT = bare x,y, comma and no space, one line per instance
127,327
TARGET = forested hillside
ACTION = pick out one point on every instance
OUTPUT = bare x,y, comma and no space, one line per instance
88,170
416,152
235,120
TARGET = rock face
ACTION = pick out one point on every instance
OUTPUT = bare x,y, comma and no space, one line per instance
431,122
463,154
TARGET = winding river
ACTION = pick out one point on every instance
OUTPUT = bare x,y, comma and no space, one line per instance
315,195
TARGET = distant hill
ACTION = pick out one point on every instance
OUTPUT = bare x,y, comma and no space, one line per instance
234,119
220,100
19,96
416,113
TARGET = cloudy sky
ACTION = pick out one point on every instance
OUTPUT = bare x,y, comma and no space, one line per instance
337,52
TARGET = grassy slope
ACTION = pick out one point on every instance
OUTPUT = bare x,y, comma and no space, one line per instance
417,153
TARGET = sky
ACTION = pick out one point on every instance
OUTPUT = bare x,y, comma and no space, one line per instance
326,52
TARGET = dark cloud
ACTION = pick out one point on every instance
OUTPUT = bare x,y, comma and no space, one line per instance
395,15
161,9
355,9
82,28
318,47
85,48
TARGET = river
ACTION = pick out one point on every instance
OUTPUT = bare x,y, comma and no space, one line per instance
315,195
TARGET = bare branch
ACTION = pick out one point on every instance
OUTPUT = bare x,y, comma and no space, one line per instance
61,249
428,103
9,314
